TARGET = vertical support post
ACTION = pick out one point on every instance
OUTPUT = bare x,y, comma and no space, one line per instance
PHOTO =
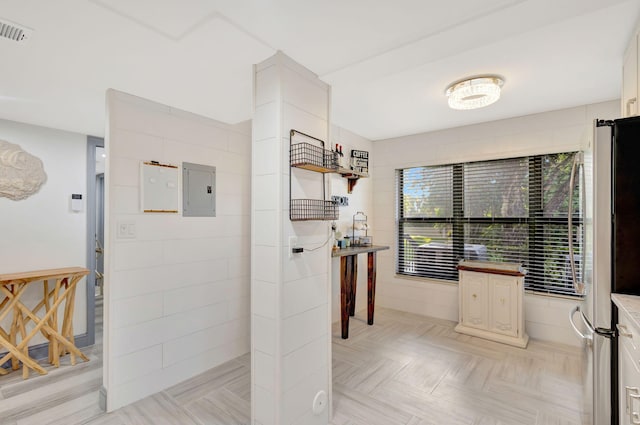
371,286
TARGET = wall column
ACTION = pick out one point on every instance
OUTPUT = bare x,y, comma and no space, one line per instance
291,329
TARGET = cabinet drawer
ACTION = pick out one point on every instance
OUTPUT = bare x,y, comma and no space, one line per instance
629,336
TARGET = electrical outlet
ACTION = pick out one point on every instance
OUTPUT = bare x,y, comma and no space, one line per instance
293,243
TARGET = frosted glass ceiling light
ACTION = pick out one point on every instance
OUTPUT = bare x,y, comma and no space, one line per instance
474,93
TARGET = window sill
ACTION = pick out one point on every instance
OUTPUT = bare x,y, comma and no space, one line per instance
418,281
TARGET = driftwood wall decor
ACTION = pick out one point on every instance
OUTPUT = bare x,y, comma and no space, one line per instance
21,174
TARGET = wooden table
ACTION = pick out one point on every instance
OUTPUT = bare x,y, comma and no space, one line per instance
61,341
349,279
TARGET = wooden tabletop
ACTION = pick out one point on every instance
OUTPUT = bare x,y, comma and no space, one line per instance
353,250
6,279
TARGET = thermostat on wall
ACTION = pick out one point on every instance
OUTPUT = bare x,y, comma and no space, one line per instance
76,202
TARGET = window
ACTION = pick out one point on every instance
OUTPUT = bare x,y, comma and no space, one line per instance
503,210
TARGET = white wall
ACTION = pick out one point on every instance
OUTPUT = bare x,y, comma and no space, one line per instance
361,199
556,131
41,232
291,341
177,295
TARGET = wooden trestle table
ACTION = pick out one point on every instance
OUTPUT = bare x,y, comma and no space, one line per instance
349,279
58,285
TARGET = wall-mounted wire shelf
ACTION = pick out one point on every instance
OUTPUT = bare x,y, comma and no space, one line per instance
311,157
312,209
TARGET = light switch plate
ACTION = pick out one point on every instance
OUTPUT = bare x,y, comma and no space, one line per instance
126,230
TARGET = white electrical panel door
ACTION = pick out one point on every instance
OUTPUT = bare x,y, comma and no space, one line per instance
159,187
198,190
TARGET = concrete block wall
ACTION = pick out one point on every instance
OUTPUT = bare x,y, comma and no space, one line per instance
290,295
177,295
546,317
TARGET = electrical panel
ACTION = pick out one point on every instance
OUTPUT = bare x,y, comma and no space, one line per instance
198,190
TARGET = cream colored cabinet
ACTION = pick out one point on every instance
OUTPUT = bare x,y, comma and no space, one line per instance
630,79
503,304
629,371
491,303
474,301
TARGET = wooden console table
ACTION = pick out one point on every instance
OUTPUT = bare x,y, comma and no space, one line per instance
61,341
349,279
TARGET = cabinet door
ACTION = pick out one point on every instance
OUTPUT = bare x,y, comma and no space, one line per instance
630,80
503,304
474,299
629,373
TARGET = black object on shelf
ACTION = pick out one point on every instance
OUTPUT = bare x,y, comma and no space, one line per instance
311,157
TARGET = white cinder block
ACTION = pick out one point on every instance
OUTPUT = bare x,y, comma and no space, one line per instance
265,230
266,263
264,334
265,156
310,96
125,171
138,146
202,341
304,294
140,363
264,298
178,152
311,263
299,399
239,266
190,297
137,255
196,273
265,370
194,250
264,124
240,143
267,86
265,192
264,405
233,204
303,328
239,307
137,337
306,122
125,200
132,283
194,320
130,311
300,364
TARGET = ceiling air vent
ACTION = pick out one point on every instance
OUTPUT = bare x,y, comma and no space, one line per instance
13,31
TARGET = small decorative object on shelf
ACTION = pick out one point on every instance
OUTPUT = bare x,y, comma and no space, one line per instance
360,229
360,162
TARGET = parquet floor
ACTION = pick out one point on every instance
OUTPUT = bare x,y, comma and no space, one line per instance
404,370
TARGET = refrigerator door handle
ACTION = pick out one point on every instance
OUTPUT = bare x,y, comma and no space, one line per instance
588,338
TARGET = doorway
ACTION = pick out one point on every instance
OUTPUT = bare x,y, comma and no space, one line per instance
96,158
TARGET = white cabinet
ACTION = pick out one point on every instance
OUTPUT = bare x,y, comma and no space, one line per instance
491,303
628,370
631,78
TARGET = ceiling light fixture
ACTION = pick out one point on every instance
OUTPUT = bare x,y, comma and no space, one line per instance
476,92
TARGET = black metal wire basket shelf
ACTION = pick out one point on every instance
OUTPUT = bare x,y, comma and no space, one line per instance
312,209
313,158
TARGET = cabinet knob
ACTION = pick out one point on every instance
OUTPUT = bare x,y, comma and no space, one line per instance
623,330
474,296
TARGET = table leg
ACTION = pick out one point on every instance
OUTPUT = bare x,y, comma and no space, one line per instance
354,284
371,286
346,282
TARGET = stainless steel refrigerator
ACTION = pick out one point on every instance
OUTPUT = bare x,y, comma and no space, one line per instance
611,200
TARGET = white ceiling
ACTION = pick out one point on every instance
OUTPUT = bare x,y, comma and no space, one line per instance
387,61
